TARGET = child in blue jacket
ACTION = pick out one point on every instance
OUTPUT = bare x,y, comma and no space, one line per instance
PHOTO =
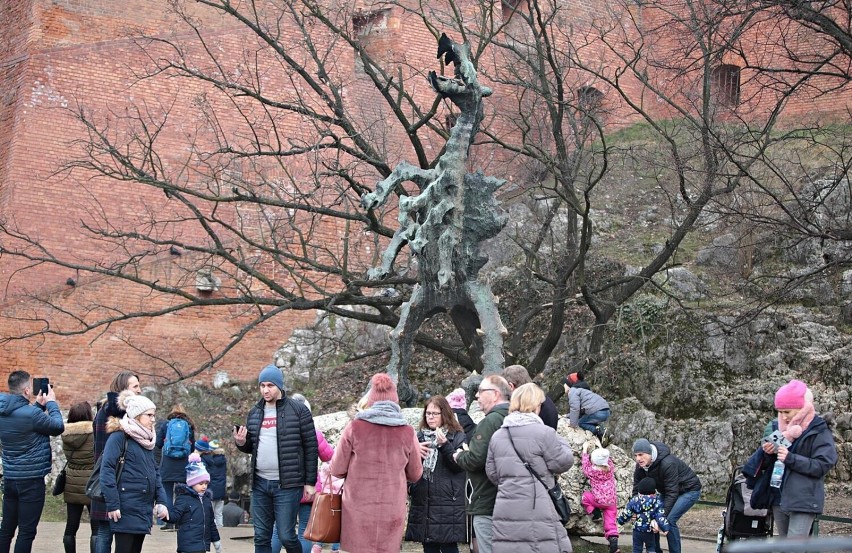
649,516
193,510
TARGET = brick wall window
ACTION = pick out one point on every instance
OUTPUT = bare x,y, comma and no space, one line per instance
726,85
589,100
369,22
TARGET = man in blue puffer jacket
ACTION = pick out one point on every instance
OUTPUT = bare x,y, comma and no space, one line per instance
25,431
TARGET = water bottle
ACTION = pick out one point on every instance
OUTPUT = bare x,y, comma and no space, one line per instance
777,474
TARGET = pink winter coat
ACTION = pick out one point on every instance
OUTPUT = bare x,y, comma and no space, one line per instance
601,481
377,460
324,452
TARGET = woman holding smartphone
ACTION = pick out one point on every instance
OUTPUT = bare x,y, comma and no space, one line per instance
437,516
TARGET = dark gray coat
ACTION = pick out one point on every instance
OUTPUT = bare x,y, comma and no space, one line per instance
437,512
524,517
808,460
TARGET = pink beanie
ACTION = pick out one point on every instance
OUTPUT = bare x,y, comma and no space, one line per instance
382,388
196,472
791,395
457,399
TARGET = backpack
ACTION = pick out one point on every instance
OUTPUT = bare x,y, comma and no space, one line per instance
176,445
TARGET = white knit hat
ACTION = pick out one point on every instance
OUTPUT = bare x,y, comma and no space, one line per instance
600,457
136,405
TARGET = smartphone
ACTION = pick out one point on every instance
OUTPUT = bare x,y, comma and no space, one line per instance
41,384
236,428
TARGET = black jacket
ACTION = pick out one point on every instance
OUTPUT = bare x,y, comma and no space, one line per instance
672,476
549,414
297,442
466,422
437,512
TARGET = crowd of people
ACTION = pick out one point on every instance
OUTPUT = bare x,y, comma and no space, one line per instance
447,482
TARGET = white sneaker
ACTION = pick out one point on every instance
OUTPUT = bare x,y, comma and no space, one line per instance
317,548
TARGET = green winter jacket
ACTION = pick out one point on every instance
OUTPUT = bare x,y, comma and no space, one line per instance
484,492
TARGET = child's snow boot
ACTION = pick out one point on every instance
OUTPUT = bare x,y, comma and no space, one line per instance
613,544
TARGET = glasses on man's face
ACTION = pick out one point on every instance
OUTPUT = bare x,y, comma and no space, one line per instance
433,413
480,390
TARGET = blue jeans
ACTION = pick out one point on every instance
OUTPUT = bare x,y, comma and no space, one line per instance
589,421
684,502
274,506
645,540
23,502
103,543
304,513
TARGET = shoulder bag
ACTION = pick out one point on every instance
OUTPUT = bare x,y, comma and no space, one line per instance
59,483
326,511
563,510
93,485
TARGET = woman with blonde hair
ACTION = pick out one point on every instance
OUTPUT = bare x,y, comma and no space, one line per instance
524,516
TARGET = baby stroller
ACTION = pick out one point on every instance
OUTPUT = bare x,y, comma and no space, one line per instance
739,520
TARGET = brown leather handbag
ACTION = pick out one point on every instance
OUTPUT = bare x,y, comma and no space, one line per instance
324,522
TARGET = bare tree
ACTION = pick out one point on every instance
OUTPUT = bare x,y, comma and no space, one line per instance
300,107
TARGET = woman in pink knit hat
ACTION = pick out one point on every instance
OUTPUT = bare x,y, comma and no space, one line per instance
802,441
378,454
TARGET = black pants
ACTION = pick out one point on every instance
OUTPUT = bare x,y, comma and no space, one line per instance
74,512
440,548
128,543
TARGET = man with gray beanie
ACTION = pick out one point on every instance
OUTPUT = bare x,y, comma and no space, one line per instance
279,433
677,484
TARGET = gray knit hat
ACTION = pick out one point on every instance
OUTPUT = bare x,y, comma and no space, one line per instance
642,446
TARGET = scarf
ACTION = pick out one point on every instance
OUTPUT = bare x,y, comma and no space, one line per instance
432,458
139,433
385,413
799,423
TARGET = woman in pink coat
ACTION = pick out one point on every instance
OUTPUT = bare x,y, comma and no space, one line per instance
379,455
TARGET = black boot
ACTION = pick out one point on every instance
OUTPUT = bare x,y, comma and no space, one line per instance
70,543
613,544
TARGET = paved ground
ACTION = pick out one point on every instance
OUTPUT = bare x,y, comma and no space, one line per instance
49,539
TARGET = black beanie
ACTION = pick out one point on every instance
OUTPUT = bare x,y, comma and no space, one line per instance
647,486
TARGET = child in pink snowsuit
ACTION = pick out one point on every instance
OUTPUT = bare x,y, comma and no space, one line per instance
600,470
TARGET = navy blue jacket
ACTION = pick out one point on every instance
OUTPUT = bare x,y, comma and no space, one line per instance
193,515
139,487
171,469
217,466
298,451
25,432
808,460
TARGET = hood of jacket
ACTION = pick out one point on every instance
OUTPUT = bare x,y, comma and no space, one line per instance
11,402
516,418
113,424
663,451
76,433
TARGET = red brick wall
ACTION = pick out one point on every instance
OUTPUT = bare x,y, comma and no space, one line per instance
57,51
